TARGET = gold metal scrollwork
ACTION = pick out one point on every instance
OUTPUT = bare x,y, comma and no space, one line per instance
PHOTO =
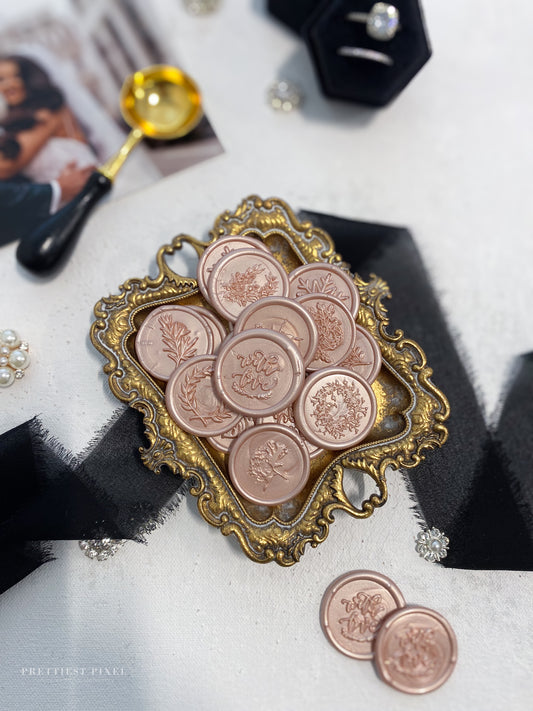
411,410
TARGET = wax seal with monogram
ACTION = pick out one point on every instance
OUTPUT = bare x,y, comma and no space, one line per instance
353,607
258,372
363,614
249,364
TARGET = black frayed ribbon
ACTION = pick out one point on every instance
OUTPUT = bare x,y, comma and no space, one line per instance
478,488
49,495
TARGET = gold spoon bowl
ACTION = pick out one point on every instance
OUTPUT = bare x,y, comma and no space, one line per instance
160,102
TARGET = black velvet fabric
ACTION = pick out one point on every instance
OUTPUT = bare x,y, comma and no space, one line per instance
478,487
294,13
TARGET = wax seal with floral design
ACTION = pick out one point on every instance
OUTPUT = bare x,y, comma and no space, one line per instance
336,408
415,650
193,402
169,336
269,464
242,277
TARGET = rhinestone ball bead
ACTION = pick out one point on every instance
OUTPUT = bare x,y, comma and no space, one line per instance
284,96
383,22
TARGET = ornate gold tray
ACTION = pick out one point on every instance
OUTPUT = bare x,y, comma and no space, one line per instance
411,410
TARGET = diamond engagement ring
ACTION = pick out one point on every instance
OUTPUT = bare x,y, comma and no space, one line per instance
364,53
382,22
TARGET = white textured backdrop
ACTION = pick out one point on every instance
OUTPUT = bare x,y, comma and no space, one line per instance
189,619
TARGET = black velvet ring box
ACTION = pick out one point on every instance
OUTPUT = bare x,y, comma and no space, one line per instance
325,28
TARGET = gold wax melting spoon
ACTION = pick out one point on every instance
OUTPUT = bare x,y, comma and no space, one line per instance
159,102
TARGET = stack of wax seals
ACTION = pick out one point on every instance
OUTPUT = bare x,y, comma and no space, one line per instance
290,381
363,614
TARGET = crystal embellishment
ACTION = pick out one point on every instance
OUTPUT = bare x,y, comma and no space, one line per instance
101,549
383,21
201,7
285,96
14,357
432,545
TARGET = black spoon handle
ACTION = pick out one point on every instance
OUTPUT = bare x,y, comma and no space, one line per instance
42,249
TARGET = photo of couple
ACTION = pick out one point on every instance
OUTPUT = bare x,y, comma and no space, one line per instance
59,109
45,154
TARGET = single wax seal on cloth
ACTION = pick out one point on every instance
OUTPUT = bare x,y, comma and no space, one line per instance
365,357
319,278
353,608
258,372
169,336
242,277
192,400
214,253
336,409
269,464
415,650
335,326
279,313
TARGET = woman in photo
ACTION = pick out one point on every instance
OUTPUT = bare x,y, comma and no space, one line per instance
45,158
41,135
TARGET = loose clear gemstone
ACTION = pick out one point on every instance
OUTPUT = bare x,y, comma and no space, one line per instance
101,549
284,96
201,7
383,21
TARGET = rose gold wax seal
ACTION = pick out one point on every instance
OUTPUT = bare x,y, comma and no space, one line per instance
217,329
365,357
192,400
242,277
319,278
336,408
258,372
336,329
268,464
218,249
286,418
224,441
278,313
415,650
353,608
169,336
